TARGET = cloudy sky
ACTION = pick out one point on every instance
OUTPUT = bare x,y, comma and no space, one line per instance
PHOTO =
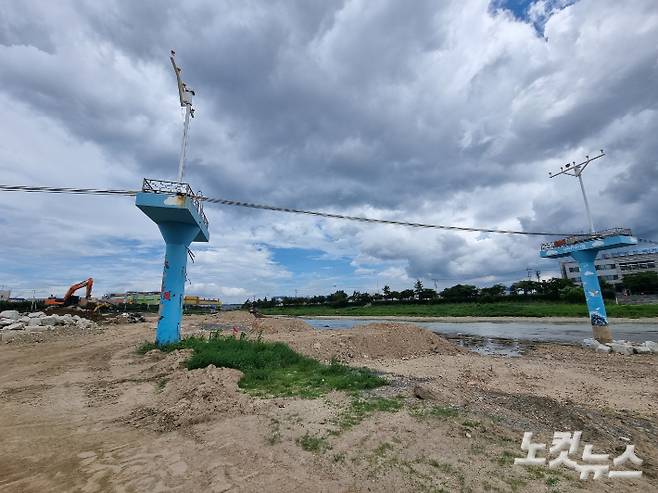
448,112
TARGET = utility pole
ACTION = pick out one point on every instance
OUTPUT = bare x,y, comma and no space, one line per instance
185,95
529,271
576,170
436,285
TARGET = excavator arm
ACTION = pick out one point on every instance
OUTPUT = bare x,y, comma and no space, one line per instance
88,283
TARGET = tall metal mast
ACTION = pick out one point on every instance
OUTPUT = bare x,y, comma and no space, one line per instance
576,170
185,95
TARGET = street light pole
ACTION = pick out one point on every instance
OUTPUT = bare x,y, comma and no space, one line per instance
576,170
582,189
185,96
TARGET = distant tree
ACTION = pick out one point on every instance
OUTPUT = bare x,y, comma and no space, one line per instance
493,291
339,298
552,287
460,292
641,283
387,292
427,294
527,287
406,294
395,295
418,288
573,294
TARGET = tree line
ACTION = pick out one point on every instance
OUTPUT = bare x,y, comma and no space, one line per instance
552,289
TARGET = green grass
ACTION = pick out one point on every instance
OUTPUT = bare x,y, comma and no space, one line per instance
312,443
360,408
498,309
272,368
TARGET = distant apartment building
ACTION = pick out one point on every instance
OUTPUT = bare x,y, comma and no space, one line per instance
613,266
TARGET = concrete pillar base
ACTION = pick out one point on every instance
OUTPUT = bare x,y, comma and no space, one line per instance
602,333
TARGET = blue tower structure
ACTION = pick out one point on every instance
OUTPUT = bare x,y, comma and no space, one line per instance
584,249
179,216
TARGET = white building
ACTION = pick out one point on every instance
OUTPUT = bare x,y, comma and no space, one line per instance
613,266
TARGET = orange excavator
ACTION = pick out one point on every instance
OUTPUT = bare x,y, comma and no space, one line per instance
69,299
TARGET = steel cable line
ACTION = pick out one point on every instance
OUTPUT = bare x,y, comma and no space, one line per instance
236,203
69,190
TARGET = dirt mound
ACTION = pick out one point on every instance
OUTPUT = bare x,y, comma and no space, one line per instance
280,325
234,316
373,341
195,396
167,362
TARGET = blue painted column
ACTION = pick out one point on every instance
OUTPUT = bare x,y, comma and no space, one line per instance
181,221
178,237
593,295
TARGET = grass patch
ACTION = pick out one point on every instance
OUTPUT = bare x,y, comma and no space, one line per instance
507,458
517,308
360,408
313,444
272,368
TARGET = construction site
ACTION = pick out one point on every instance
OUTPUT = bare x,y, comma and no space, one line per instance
129,358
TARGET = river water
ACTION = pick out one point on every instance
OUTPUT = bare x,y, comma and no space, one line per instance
508,338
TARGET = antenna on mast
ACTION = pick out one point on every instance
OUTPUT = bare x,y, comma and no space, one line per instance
185,95
576,170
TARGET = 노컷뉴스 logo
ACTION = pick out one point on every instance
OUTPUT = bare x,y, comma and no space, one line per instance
566,445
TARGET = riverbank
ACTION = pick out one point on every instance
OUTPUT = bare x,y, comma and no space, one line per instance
495,310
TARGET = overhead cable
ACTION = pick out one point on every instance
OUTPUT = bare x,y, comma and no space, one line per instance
69,190
377,221
236,203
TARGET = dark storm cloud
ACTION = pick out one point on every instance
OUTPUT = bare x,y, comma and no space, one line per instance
447,112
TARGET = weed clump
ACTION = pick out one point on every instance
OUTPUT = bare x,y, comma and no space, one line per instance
360,408
272,368
312,443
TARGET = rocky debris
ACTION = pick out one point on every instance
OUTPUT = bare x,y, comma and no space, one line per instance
10,314
133,318
125,318
16,326
621,347
38,322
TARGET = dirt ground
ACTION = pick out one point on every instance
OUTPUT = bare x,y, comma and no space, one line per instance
83,412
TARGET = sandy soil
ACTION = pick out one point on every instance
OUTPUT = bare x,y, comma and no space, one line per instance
83,412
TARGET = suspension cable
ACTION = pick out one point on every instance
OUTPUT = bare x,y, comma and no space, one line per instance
236,203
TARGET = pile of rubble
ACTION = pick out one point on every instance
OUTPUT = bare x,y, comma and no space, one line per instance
124,318
12,320
621,347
